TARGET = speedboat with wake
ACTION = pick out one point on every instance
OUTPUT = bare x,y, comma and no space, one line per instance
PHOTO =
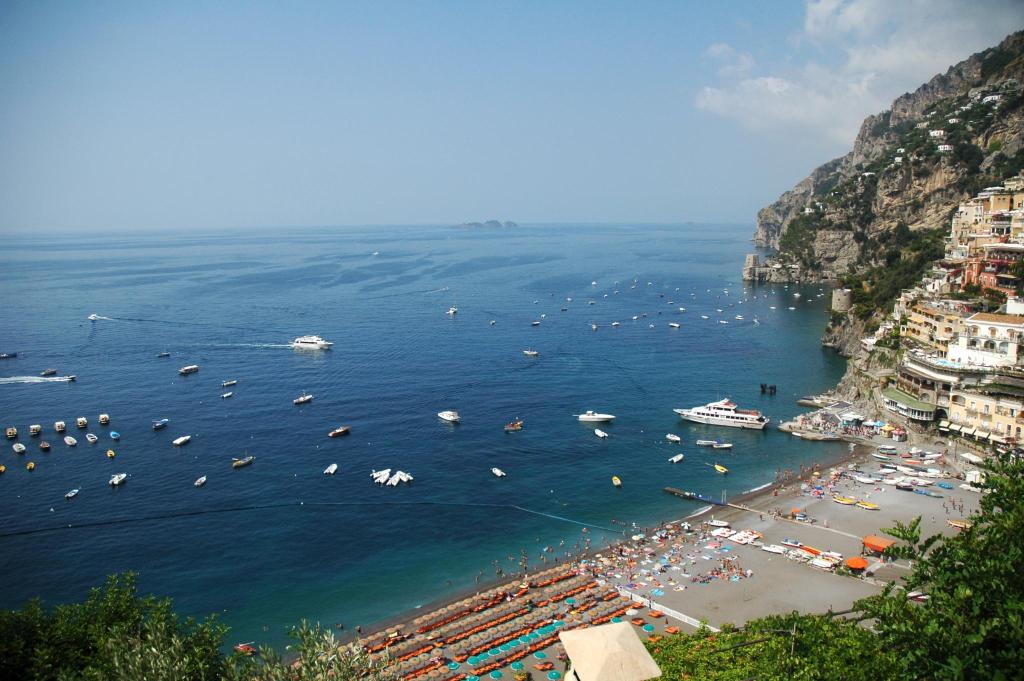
311,343
117,479
339,431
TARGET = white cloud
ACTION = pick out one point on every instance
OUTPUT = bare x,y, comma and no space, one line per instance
851,58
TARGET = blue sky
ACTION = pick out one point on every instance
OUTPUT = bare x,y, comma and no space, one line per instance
181,116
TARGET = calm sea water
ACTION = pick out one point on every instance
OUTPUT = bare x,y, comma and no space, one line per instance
279,541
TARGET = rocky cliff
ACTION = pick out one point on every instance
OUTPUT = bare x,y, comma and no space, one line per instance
897,172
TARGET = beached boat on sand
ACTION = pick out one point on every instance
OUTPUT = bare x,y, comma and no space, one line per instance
773,548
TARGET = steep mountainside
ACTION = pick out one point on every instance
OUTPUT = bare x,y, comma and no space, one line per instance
909,168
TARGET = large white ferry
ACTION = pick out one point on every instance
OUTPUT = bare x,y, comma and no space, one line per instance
724,413
311,343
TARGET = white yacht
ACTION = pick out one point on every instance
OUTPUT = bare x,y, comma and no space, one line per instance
674,325
530,353
311,343
184,439
498,473
594,417
118,478
451,416
600,433
724,413
331,470
303,399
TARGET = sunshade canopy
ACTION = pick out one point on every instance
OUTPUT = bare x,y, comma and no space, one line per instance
610,652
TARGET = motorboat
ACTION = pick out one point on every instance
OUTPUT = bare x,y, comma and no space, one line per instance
398,478
163,354
104,419
44,446
704,316
303,399
676,459
90,438
452,311
311,343
616,481
3,468
226,395
190,369
722,445
674,325
339,431
240,463
498,473
380,477
118,478
887,449
331,470
672,437
228,384
245,649
774,548
615,325
162,423
70,441
718,523
530,353
111,453
8,355
93,317
600,433
71,494
82,422
48,372
12,433
179,441
535,323
71,378
721,469
725,413
867,505
594,417
200,481
18,448
451,416
35,429
514,426
706,443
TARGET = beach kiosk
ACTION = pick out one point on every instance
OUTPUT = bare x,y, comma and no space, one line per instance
610,652
875,545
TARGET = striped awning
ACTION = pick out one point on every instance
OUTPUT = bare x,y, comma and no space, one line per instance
955,427
944,425
968,431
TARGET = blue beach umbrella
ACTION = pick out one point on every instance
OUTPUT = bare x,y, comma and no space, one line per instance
524,639
570,601
504,647
616,619
472,677
495,674
482,656
517,665
540,655
648,627
494,652
473,659
453,665
553,675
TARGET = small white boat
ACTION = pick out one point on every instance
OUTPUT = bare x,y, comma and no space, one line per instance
190,369
600,433
184,439
311,343
93,317
452,311
676,459
615,324
91,438
228,384
722,445
672,437
535,323
70,441
738,317
34,430
673,325
303,399
380,477
104,419
200,481
594,417
118,478
82,422
331,470
718,523
450,415
18,448
706,443
593,327
530,353
722,321
71,494
774,548
226,395
59,426
498,473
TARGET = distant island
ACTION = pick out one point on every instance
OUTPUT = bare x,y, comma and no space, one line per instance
494,224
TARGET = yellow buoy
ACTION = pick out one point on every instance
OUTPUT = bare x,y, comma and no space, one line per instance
31,465
111,454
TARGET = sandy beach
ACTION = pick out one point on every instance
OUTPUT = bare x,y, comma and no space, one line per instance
673,577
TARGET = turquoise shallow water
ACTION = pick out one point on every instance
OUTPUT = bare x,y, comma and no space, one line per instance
299,544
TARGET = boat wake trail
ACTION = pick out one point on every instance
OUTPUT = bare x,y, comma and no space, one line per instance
99,317
252,345
17,380
286,504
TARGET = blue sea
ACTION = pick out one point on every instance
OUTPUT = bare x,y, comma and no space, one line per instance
278,541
